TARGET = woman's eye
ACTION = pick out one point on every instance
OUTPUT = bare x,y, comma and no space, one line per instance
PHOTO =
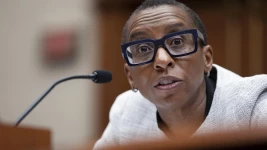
143,49
177,42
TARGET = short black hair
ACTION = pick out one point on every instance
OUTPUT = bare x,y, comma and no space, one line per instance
155,3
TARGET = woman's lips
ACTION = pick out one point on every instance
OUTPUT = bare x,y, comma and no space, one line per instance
167,83
167,86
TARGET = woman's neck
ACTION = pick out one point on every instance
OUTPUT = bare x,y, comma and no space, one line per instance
187,119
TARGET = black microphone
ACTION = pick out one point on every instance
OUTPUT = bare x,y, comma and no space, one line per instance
99,76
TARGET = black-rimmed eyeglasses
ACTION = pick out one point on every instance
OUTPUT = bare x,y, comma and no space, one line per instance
176,44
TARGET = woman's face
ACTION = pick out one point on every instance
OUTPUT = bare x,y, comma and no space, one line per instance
167,82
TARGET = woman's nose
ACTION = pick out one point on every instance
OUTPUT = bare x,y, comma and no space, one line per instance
163,60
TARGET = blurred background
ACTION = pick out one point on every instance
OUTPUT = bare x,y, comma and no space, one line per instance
42,41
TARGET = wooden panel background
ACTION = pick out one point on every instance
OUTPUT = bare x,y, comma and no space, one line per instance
236,30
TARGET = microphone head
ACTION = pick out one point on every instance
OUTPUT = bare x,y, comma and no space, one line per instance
102,76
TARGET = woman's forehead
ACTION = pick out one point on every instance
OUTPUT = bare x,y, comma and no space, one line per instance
159,11
160,17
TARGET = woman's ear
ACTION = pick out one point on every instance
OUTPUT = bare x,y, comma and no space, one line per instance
128,73
207,57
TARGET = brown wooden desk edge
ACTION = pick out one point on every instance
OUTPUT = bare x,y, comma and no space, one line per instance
24,137
220,140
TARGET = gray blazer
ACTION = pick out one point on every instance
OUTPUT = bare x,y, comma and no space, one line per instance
237,103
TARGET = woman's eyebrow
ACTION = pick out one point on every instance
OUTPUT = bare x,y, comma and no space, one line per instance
135,35
178,26
174,26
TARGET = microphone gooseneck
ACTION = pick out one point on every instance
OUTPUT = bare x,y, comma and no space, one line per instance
100,76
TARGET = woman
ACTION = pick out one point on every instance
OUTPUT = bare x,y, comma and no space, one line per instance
175,85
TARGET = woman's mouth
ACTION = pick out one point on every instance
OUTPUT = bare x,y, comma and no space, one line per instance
167,83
